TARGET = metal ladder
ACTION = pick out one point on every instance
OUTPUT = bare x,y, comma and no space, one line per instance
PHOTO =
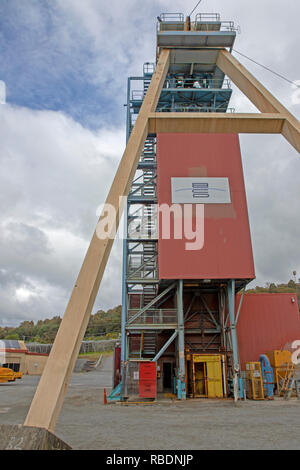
149,293
149,68
148,153
149,183
149,225
288,380
149,343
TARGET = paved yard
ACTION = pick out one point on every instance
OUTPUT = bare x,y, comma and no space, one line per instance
86,423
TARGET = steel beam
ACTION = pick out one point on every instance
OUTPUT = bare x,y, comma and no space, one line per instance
165,346
124,295
181,392
231,308
240,306
151,326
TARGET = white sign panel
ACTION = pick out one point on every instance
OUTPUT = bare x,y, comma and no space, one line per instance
200,191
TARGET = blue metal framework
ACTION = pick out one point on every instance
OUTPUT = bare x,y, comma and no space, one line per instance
189,87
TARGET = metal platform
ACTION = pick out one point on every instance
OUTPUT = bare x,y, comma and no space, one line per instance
206,31
198,39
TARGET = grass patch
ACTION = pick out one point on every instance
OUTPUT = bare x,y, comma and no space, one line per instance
95,355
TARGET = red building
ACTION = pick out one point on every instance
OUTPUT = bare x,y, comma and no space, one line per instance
266,322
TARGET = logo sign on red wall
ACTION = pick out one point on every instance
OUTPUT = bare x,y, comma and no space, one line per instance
200,191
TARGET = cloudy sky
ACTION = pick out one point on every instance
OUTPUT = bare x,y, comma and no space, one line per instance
64,64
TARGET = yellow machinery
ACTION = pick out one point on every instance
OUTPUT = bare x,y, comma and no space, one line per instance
18,375
8,375
255,387
283,368
205,375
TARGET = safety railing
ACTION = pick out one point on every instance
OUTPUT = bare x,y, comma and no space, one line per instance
170,22
200,17
171,17
137,95
154,316
193,108
188,83
212,22
196,83
148,67
203,22
142,268
230,26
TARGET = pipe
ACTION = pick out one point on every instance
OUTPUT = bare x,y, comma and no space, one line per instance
181,392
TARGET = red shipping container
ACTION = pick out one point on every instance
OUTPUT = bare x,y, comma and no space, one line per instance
266,322
227,250
147,379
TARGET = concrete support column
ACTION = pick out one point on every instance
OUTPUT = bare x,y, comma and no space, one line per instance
181,392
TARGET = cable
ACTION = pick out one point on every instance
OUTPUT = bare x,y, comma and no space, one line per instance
195,7
263,66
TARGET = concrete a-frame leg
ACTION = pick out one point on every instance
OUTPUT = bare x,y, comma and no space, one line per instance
259,95
49,396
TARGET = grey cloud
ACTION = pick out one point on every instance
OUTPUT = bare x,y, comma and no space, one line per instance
55,172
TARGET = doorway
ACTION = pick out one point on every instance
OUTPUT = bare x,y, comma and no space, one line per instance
204,376
167,376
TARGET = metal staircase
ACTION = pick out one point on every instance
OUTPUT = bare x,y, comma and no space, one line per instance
142,271
202,92
148,70
149,343
149,293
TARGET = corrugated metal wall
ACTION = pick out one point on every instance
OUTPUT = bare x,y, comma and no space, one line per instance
266,322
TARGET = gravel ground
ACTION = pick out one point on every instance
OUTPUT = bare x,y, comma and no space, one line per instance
86,423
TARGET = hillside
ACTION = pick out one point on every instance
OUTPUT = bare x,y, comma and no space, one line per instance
105,324
101,324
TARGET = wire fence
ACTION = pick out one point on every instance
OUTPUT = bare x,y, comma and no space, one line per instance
86,346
